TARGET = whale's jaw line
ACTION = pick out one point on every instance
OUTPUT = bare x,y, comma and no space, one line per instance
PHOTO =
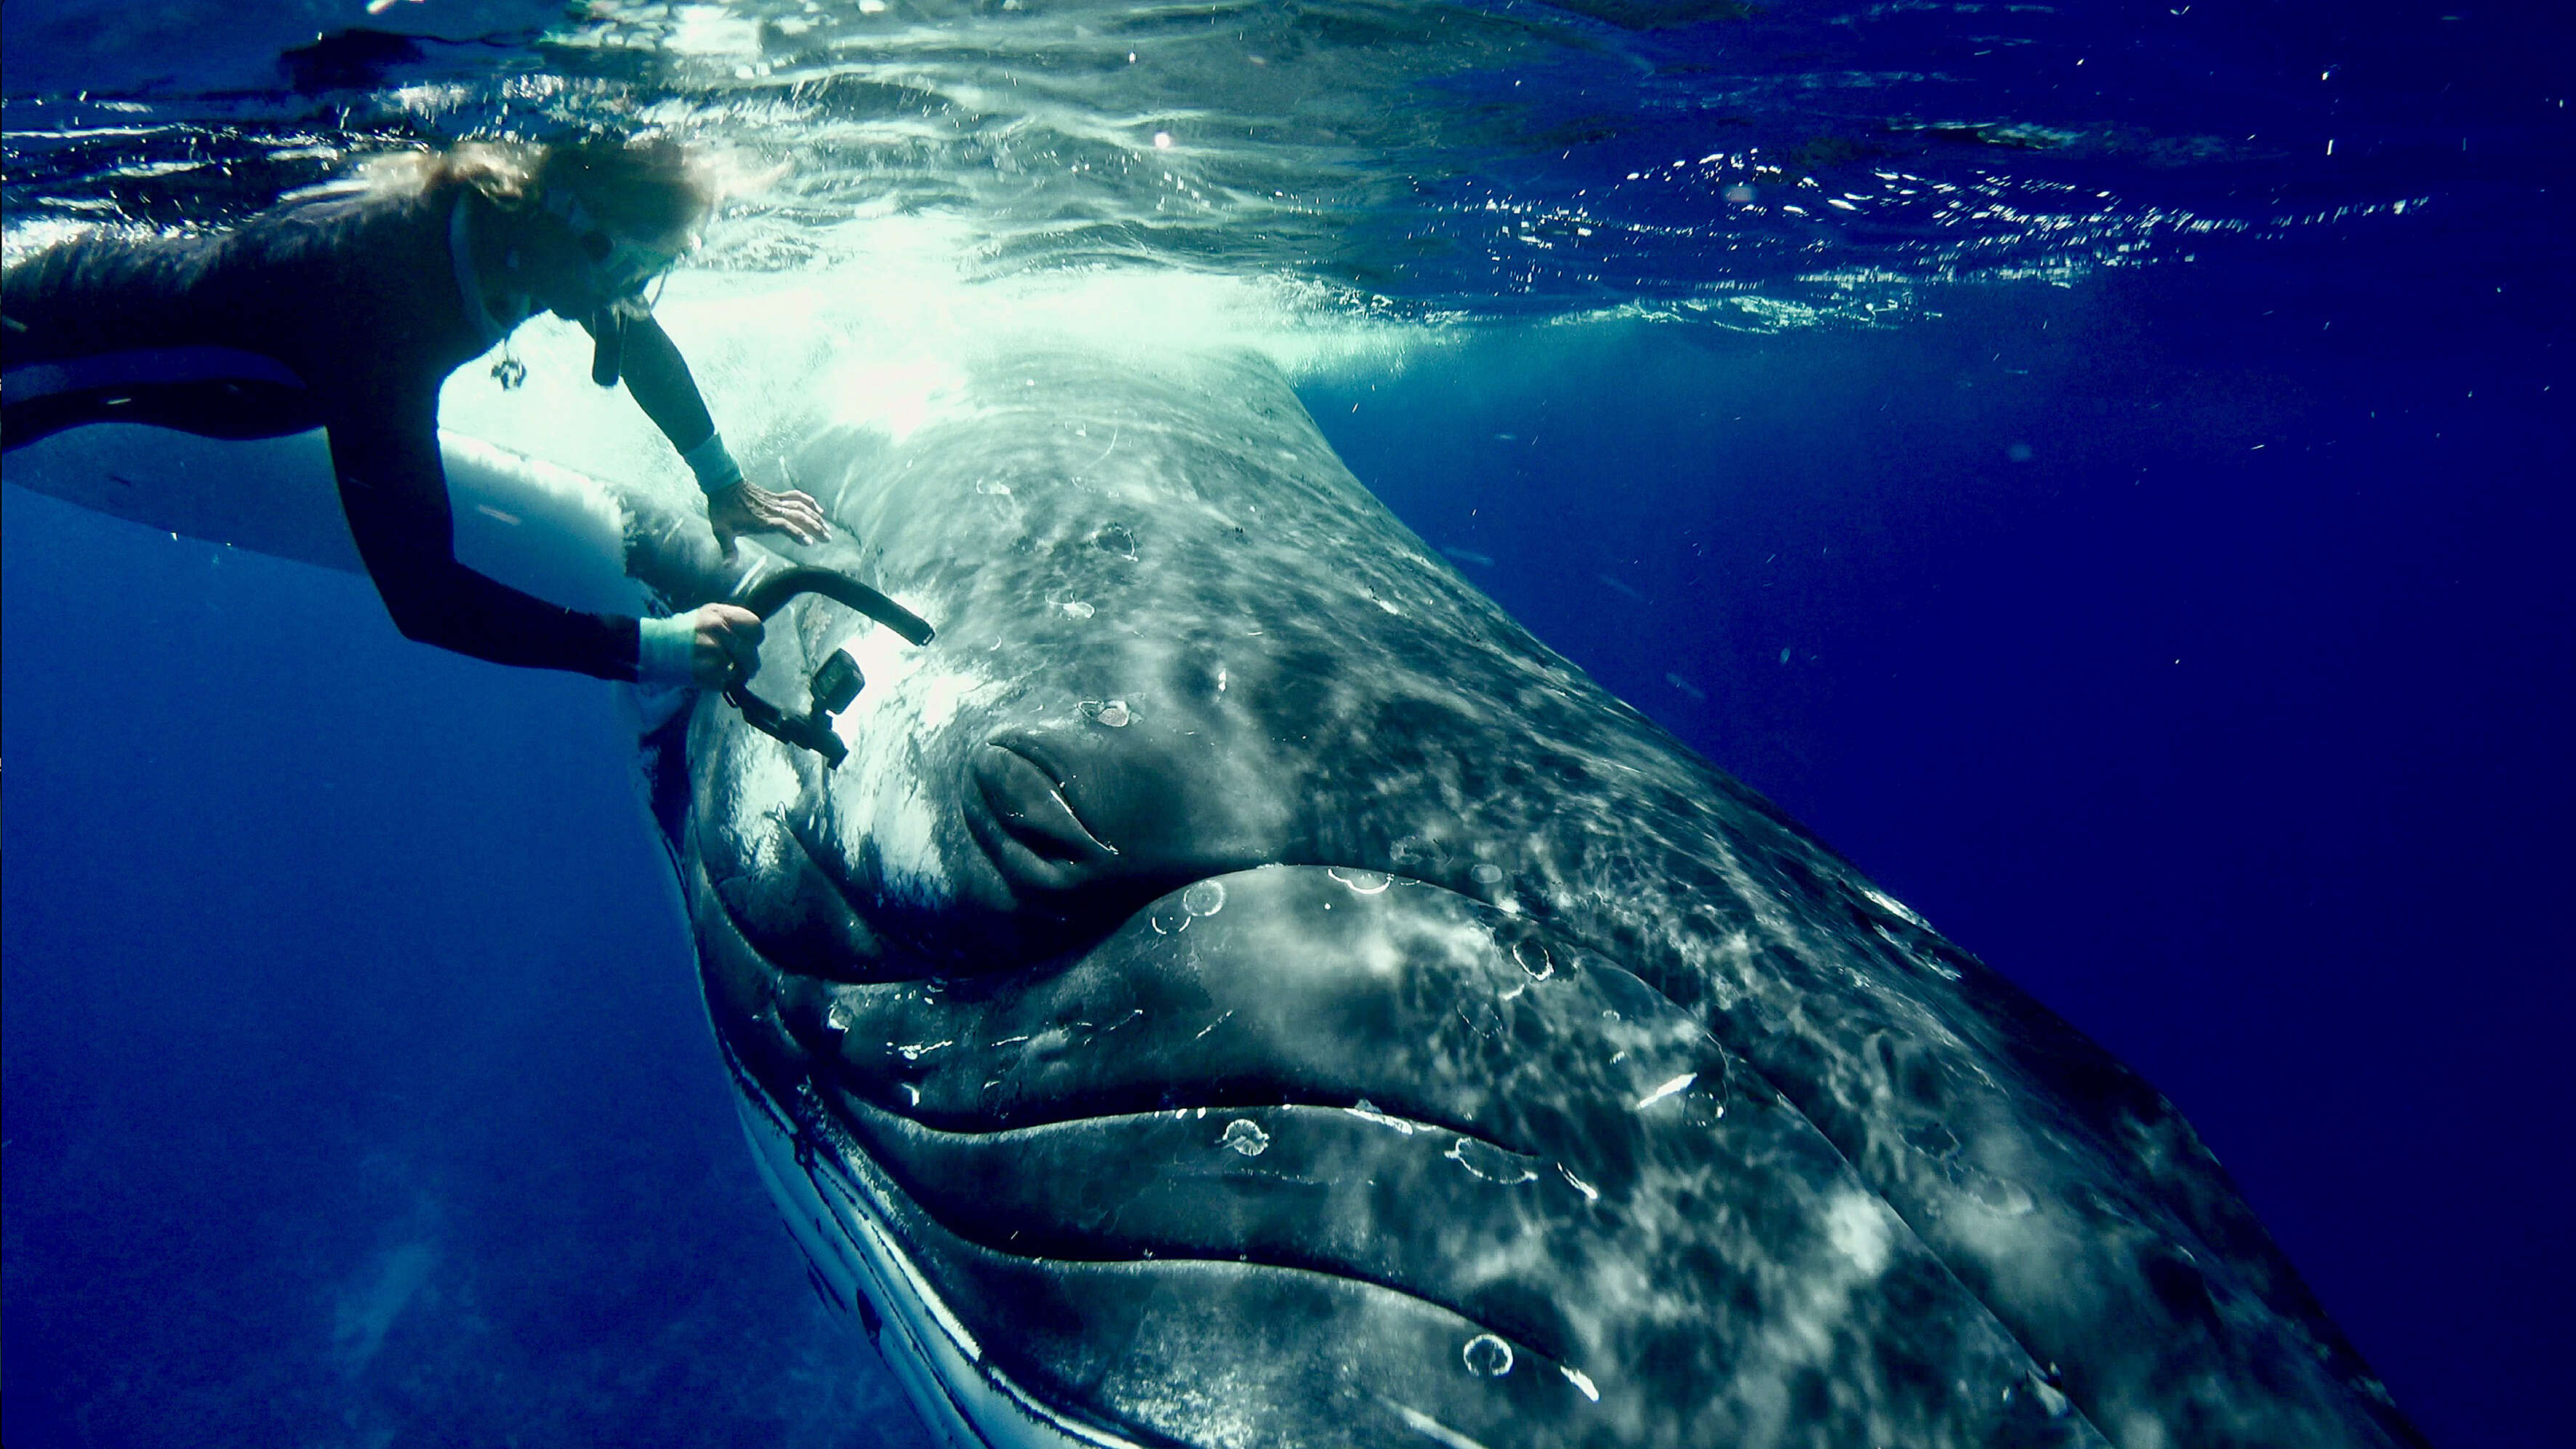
849,1243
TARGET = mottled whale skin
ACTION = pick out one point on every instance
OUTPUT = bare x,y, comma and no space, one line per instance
1243,990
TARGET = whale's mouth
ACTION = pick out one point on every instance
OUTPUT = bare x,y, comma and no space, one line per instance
1090,830
1028,824
1349,1096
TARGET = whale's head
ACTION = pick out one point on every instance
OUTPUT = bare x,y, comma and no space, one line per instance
1239,989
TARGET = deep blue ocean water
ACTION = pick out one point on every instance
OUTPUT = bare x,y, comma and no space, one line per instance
2184,629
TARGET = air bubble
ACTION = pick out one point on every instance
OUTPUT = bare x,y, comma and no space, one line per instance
1487,1357
1366,882
1204,898
1486,873
1111,712
1245,1136
1076,609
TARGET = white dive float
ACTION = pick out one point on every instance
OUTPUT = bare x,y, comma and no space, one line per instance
563,536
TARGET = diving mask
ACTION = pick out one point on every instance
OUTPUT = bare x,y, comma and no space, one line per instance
619,265
619,268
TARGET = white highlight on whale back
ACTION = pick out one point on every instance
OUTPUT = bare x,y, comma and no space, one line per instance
1854,1225
1676,1085
1860,1232
1431,1428
1894,907
880,335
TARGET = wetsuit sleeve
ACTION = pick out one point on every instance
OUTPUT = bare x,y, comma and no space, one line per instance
658,378
395,492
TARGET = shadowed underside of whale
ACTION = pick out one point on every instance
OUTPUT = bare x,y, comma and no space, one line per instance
1241,990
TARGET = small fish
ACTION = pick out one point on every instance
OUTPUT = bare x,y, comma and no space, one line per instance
1470,556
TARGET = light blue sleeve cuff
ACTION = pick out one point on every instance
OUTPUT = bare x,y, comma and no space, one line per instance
715,467
663,650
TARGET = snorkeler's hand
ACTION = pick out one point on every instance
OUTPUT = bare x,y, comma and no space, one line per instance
725,645
744,508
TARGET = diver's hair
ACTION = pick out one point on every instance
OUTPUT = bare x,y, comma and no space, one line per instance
504,171
649,183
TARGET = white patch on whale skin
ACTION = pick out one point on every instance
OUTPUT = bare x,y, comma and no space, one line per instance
878,793
765,784
1853,1224
1814,1312
1671,1088
1894,907
1431,1428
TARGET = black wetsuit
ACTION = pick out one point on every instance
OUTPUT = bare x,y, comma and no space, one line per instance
342,312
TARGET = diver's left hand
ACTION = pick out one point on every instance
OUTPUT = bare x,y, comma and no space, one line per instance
744,508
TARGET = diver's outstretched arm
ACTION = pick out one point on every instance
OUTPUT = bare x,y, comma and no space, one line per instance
394,489
658,377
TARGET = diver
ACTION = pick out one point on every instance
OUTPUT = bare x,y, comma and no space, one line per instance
345,306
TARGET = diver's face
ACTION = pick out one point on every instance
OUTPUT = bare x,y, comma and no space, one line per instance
594,263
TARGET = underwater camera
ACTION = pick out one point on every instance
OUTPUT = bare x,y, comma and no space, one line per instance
835,683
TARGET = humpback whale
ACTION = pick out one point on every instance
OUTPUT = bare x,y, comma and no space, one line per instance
1236,987
1241,989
